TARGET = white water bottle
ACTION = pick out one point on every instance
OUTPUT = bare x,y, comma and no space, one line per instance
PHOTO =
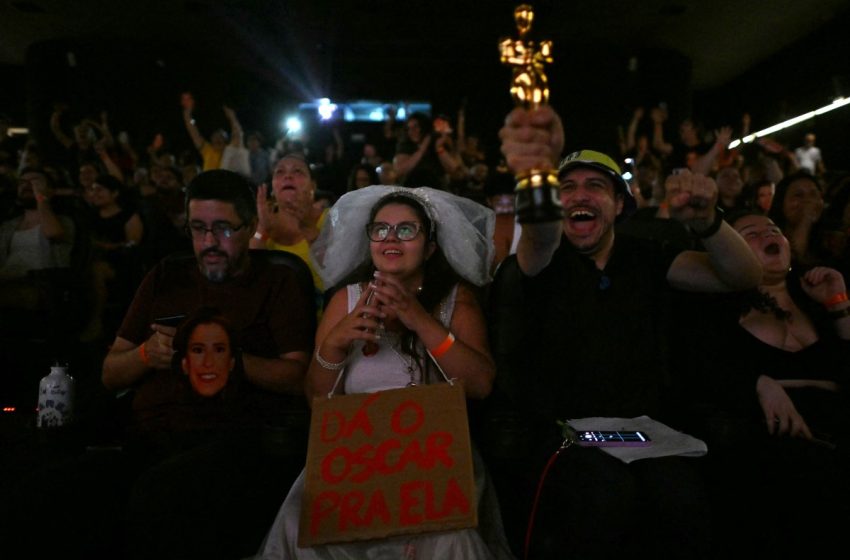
55,398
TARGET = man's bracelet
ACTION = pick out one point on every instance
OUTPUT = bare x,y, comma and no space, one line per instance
332,366
713,228
840,314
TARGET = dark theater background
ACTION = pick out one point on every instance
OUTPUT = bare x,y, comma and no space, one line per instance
712,60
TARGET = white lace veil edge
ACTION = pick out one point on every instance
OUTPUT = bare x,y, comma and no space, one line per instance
464,232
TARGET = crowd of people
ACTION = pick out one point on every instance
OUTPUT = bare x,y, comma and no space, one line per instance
209,296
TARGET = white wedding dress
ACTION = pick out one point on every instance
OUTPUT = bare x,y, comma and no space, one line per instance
388,369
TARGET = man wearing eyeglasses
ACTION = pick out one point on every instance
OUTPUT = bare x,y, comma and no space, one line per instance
221,220
275,323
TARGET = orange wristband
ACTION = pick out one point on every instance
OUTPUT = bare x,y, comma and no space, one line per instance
443,347
835,300
143,354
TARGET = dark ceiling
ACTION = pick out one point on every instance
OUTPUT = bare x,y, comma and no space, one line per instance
722,38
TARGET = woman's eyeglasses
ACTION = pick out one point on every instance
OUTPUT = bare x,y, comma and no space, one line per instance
404,231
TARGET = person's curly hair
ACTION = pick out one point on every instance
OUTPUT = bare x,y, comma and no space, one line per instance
764,302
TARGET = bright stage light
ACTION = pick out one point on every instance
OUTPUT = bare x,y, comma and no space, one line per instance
837,103
326,109
293,125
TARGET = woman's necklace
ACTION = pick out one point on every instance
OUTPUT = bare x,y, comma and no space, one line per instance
392,339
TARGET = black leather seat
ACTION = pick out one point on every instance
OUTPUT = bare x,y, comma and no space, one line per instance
297,264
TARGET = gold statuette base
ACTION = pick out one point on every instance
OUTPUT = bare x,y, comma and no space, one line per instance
537,198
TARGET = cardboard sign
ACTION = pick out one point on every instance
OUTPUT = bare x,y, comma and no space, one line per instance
388,463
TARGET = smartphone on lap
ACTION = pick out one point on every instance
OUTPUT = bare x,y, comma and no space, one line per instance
612,438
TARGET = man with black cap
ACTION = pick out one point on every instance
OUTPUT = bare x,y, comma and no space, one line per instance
579,322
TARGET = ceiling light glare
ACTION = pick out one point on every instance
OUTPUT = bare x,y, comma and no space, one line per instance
836,103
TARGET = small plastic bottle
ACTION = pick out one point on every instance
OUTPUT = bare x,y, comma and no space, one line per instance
55,398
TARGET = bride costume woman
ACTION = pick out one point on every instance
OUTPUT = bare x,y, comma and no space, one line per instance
407,261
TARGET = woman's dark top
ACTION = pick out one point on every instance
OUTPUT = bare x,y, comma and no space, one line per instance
111,229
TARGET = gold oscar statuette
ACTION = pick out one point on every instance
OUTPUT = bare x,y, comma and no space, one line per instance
536,190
